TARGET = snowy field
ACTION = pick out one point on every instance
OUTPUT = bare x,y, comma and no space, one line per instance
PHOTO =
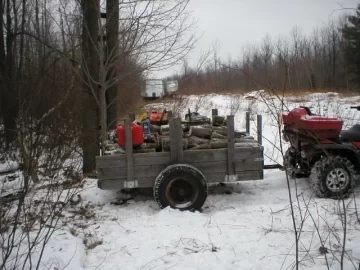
247,225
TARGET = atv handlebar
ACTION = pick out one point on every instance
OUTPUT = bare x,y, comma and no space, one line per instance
355,107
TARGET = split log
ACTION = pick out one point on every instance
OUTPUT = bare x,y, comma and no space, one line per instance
223,131
218,144
165,143
196,140
216,135
201,147
143,150
201,132
164,128
156,128
220,130
218,121
150,145
111,146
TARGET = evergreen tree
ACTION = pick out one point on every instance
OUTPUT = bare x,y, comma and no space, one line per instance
351,32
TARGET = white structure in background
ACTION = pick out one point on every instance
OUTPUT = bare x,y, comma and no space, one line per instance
156,88
171,86
153,89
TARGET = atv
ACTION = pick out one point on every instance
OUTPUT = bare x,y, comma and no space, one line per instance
321,150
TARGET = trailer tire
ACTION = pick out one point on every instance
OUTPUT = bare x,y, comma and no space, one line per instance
182,187
290,164
333,177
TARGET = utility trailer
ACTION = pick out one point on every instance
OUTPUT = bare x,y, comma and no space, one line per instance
180,178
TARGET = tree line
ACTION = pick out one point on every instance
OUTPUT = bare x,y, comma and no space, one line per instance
328,58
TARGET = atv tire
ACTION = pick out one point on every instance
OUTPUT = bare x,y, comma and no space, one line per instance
333,177
182,187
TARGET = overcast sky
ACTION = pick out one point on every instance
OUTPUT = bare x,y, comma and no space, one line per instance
237,23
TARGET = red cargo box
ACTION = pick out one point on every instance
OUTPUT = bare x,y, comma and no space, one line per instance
322,127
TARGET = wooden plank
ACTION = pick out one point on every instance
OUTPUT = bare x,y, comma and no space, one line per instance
247,119
230,145
112,173
146,182
198,156
242,176
170,115
110,161
176,144
273,166
129,151
259,136
216,166
163,158
214,112
111,184
259,129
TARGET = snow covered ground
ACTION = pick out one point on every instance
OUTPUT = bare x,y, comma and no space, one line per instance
247,225
248,229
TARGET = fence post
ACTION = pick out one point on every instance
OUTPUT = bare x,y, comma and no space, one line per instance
248,123
129,151
231,170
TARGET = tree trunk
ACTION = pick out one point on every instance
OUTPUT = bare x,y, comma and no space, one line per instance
112,30
90,108
9,97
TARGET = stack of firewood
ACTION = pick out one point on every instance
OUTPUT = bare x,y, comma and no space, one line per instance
206,136
199,136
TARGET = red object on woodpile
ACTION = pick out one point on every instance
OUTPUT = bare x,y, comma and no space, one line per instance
137,134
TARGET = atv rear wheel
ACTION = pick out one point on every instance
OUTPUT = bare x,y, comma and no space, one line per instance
333,177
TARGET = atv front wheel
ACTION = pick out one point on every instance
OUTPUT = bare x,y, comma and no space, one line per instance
333,177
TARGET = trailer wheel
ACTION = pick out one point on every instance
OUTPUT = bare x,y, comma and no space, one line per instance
333,177
291,160
182,187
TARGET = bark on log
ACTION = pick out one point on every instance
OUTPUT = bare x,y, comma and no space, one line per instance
218,121
201,132
143,150
218,144
201,146
164,128
165,143
150,145
216,135
197,140
220,130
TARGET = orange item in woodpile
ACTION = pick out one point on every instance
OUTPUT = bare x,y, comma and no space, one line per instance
159,118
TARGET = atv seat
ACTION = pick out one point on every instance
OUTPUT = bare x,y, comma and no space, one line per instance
352,134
